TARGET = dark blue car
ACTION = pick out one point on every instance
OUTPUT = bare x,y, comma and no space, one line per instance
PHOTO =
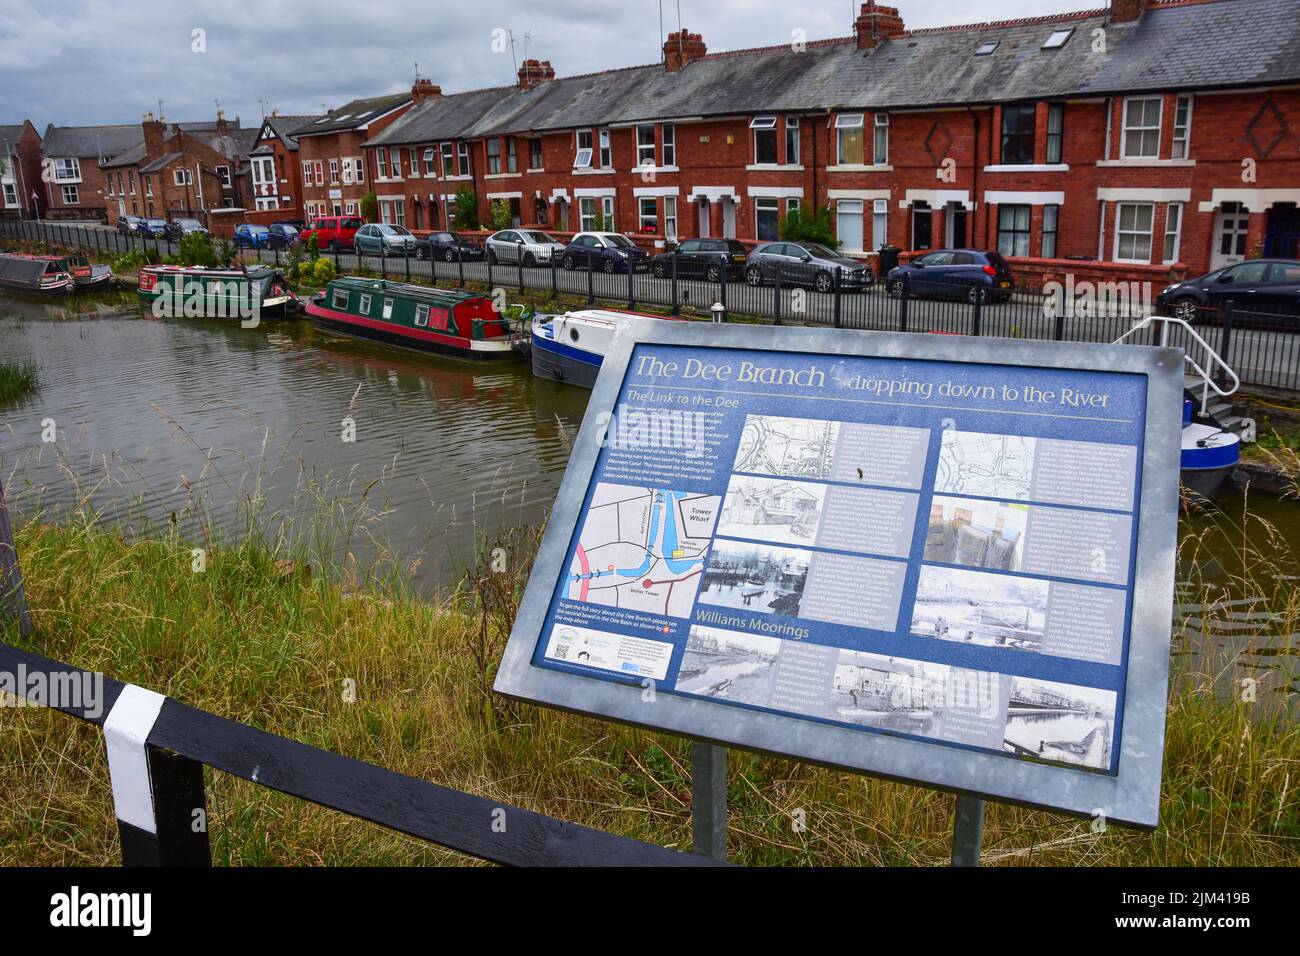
155,227
281,235
956,273
606,251
252,237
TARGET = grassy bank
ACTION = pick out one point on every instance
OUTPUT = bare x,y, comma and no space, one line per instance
18,377
272,645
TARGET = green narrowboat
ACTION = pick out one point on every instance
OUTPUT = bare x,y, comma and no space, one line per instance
424,319
199,292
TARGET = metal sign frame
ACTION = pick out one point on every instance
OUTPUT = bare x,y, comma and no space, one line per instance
1130,797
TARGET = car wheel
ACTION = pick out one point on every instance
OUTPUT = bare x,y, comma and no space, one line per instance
822,283
1186,308
754,276
608,266
977,293
659,270
530,260
713,274
450,255
569,264
895,288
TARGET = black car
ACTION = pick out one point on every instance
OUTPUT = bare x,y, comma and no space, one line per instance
969,274
704,259
130,224
281,235
1258,285
180,228
446,246
807,264
609,252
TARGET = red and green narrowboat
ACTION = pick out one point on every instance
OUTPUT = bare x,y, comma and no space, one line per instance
85,277
437,321
201,292
34,275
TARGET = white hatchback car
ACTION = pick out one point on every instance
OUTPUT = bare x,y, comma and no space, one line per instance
531,245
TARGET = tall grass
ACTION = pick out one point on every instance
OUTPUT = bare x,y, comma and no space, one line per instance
18,376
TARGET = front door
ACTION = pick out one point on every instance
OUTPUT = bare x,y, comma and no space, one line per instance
1230,227
706,217
728,219
955,223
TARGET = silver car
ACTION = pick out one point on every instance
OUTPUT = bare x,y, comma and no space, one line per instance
532,246
807,264
381,239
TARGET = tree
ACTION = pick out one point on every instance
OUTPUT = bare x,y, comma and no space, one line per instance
370,207
501,218
467,209
197,250
798,227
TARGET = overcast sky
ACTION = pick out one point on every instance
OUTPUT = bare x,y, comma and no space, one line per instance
109,61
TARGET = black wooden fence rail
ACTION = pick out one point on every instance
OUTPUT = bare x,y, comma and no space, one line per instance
184,739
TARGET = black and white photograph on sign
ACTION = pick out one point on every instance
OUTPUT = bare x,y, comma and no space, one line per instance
787,447
889,692
642,549
976,607
977,534
772,509
755,577
986,466
1066,723
728,665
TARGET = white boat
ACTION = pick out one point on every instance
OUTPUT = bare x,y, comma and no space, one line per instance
570,347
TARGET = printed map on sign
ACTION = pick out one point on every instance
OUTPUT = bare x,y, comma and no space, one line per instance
643,549
789,447
987,466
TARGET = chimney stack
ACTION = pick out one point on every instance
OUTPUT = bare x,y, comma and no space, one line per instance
683,48
155,133
876,24
424,89
1127,11
222,128
534,73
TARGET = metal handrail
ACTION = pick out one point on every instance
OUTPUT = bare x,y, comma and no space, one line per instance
1213,358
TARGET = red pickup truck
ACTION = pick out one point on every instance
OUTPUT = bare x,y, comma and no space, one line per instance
332,232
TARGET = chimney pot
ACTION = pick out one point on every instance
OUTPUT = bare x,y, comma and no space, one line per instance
876,24
1127,11
535,72
682,48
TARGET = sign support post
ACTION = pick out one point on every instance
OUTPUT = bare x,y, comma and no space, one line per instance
709,799
967,831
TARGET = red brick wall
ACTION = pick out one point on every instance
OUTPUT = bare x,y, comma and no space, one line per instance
337,146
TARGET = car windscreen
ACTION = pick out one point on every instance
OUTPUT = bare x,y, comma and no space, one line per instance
444,237
537,237
821,252
258,229
189,223
620,242
398,231
157,222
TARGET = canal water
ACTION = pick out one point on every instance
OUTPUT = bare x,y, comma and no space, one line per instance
211,421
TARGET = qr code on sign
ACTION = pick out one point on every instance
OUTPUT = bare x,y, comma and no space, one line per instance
561,652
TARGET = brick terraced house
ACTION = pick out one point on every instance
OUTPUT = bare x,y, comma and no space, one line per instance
73,185
330,157
1155,135
20,171
180,171
275,174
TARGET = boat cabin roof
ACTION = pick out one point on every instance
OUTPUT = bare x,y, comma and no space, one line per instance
21,269
607,317
440,298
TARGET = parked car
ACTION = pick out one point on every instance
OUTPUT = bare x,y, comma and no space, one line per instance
533,245
180,228
332,232
703,259
249,236
130,224
282,235
965,273
446,246
154,227
806,264
607,251
383,239
1258,285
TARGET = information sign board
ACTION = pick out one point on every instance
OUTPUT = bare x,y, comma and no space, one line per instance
932,558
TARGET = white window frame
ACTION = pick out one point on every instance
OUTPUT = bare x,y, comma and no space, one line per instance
642,147
223,173
462,158
607,210
1055,231
130,178
11,195
320,172
422,316
584,155
606,153
381,163
642,219
306,173
364,307
844,207
765,124
775,207
334,172
67,169
670,218
448,155
879,131
669,134
1181,147
1126,129
413,162
340,299
350,209
1174,213
395,161
430,163
792,136
388,308
849,121
180,177
879,223
71,194
587,220
1120,231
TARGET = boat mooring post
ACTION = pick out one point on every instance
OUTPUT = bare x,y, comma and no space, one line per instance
967,831
709,800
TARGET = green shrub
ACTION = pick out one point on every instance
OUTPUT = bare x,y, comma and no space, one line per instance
226,252
467,210
370,207
131,262
797,226
501,217
313,248
323,271
196,250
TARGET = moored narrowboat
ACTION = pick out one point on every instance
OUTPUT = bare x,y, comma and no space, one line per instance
420,318
570,348
200,292
85,276
33,275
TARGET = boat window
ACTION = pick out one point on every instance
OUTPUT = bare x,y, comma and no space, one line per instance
421,315
365,304
573,334
340,300
388,308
